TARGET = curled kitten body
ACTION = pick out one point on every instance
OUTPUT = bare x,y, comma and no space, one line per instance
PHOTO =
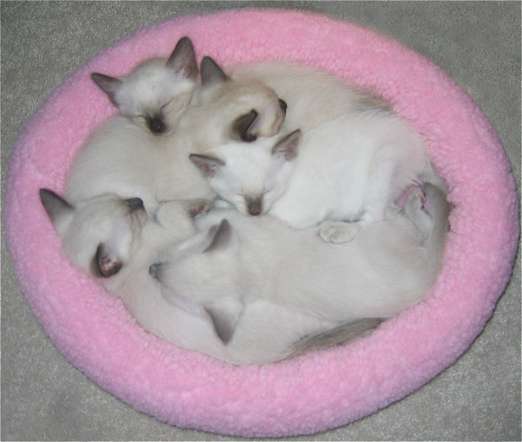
236,264
124,158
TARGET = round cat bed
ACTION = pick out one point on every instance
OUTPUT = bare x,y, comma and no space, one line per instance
316,391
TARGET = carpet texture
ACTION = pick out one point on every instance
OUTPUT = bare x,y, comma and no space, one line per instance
460,226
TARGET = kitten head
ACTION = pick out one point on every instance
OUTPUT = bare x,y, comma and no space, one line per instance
101,235
204,268
234,109
155,93
250,177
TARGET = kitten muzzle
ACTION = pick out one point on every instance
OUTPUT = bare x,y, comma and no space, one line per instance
254,206
156,124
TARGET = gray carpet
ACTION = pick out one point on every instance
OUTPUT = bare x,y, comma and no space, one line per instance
44,398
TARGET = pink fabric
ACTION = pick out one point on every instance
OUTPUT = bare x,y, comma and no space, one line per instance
317,391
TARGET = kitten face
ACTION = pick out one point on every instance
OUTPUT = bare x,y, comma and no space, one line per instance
101,235
233,109
98,235
251,177
156,93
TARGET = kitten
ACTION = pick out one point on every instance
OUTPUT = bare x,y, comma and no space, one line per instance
255,109
236,262
122,158
115,241
348,169
156,92
313,96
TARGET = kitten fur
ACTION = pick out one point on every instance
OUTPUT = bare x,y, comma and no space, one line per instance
313,96
116,241
348,169
156,92
122,158
236,262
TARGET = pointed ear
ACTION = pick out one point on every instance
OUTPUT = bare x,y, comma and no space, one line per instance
225,315
223,321
287,146
219,236
211,73
55,206
105,263
183,59
107,84
207,164
244,126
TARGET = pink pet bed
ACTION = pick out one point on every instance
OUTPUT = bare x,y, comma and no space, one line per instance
317,391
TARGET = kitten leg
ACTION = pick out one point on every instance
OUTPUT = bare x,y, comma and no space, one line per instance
338,232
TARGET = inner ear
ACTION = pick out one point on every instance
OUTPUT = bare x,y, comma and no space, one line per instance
55,206
183,59
207,164
219,237
223,321
288,145
244,127
211,72
107,84
105,264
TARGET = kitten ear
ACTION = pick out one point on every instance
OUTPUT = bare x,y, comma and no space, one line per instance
215,238
107,84
207,164
224,321
105,263
218,237
244,127
288,145
56,207
211,73
183,59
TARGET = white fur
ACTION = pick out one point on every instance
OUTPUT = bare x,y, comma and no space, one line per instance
153,87
313,96
124,158
347,169
265,265
137,239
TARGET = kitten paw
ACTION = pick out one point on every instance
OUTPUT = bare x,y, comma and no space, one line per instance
338,232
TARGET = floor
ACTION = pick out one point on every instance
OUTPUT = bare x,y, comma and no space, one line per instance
476,43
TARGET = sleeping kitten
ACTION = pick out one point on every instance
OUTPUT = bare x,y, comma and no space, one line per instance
116,241
255,109
154,95
236,262
313,96
349,169
122,158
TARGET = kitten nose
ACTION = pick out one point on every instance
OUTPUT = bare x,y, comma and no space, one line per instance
134,204
156,125
283,105
255,206
155,270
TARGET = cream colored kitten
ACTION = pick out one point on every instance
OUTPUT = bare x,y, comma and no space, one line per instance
236,262
122,157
